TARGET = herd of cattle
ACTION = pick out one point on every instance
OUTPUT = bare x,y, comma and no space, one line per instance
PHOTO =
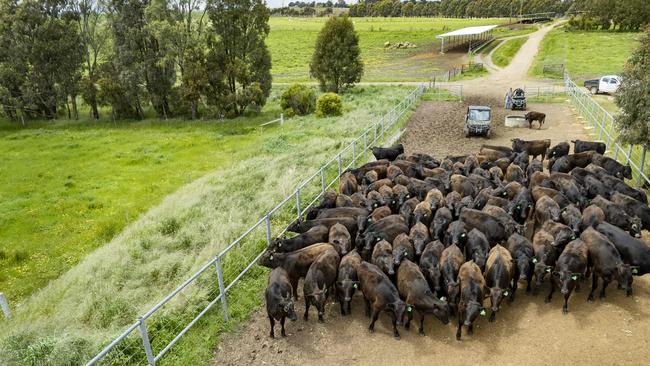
415,234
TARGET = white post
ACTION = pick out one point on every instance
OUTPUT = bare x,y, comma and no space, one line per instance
4,305
281,119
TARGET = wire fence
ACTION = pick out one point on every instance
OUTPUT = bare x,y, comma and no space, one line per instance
456,71
154,333
602,127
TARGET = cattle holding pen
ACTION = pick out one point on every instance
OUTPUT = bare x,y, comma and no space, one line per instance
454,237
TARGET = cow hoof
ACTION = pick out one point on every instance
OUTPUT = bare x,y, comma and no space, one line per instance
565,311
590,299
396,335
547,300
421,332
320,320
284,334
272,335
407,325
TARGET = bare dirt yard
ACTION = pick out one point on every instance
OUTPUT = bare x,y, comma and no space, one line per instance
436,128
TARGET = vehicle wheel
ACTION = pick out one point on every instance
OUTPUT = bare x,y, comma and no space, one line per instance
488,133
594,90
466,132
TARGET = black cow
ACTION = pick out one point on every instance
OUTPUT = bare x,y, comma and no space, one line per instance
470,306
558,151
569,269
388,153
279,299
380,294
633,251
319,282
414,289
582,146
607,263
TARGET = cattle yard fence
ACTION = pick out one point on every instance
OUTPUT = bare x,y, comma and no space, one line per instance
602,127
154,333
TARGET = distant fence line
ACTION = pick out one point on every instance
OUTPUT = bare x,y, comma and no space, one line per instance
604,128
227,268
447,75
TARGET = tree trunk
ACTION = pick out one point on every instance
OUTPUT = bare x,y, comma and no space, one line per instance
93,107
75,111
193,103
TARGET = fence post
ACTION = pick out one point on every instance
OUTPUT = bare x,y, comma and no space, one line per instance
145,341
354,153
268,229
616,150
461,92
222,288
338,160
641,166
281,119
365,146
322,179
5,306
298,202
629,154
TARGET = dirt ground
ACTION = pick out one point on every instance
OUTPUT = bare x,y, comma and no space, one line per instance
436,128
613,331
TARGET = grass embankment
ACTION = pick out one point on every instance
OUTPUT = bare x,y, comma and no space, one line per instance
586,54
250,171
291,43
507,51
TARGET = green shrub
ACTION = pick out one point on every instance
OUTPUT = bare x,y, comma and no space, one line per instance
298,100
329,104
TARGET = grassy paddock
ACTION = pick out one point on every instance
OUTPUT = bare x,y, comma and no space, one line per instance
291,43
69,319
504,54
586,54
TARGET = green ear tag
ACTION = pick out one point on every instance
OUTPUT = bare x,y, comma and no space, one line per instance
271,258
635,271
409,309
443,299
535,260
482,312
505,293
355,285
548,269
574,277
573,237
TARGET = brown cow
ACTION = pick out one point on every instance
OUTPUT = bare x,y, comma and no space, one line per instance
535,116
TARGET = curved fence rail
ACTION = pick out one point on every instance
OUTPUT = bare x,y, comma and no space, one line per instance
154,333
604,129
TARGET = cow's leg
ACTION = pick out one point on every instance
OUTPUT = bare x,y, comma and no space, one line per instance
408,321
550,294
421,324
565,308
374,317
459,330
282,323
594,285
395,332
306,316
602,292
350,307
367,307
272,321
294,284
342,307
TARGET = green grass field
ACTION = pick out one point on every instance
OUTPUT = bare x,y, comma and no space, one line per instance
586,54
291,43
504,54
230,172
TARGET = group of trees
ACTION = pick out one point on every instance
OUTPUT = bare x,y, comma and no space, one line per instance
133,55
457,8
626,15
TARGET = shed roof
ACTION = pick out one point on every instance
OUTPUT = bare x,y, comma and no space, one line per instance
468,31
